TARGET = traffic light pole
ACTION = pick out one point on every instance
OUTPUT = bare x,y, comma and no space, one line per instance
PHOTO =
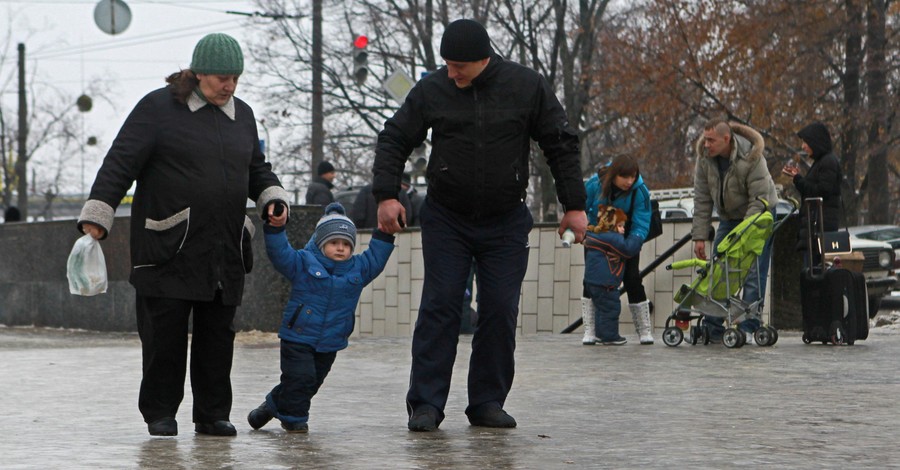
21,161
318,115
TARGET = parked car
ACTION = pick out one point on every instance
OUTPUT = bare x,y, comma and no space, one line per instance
882,233
682,208
878,264
346,197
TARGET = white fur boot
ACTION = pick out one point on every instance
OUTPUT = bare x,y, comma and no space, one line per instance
640,314
587,317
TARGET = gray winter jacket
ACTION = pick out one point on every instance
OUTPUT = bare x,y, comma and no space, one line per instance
746,180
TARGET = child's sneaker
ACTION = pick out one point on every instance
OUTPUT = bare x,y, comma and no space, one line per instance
613,342
295,427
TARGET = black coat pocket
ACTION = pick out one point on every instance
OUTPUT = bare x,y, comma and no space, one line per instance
162,239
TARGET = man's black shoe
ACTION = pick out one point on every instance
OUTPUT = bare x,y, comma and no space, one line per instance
423,419
216,428
260,416
490,415
163,427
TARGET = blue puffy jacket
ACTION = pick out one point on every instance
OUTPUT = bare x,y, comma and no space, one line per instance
324,292
604,257
639,219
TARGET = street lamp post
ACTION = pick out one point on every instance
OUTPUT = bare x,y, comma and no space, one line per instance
84,103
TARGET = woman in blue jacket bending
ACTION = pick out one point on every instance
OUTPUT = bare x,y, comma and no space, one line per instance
620,185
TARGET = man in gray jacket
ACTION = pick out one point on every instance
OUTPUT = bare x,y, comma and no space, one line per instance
731,175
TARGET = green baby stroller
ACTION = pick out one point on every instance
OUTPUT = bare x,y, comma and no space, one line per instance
715,292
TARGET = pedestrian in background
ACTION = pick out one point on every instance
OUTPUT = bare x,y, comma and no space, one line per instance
319,190
12,214
193,149
483,112
823,179
326,282
365,210
731,176
620,185
415,200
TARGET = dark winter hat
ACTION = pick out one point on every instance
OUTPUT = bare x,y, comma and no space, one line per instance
324,167
218,54
12,214
335,224
818,138
465,41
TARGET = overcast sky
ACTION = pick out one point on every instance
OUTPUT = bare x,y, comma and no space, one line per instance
64,46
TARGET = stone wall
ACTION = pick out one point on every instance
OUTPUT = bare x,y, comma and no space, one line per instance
34,289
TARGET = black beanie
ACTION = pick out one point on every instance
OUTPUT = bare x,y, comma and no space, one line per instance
818,138
324,167
465,41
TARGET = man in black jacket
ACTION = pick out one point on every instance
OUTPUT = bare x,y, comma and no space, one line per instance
319,191
483,112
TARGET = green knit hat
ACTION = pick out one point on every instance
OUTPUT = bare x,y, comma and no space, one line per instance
218,54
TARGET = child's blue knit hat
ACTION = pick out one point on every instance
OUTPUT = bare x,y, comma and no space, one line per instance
335,224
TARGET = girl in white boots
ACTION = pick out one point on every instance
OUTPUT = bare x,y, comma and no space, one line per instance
619,184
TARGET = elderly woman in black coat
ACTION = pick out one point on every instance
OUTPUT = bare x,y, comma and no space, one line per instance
192,148
822,180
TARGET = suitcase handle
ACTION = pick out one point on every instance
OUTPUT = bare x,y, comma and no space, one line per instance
817,203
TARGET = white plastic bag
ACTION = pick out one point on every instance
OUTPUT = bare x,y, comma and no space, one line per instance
86,268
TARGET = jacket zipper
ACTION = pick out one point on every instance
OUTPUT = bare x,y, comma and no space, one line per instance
221,243
293,319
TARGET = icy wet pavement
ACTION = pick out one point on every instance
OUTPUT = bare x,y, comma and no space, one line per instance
69,400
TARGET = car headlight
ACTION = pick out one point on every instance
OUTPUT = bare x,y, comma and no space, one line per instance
884,259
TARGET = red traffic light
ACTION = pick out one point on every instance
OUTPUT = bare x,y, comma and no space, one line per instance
361,42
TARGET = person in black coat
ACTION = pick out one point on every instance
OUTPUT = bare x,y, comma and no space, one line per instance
319,191
415,200
822,180
193,150
483,112
365,211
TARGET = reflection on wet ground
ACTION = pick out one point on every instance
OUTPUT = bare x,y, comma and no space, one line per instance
69,400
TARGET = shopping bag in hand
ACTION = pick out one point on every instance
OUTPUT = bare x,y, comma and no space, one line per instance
86,268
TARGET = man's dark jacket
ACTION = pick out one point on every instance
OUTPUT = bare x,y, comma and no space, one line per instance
481,140
319,192
194,173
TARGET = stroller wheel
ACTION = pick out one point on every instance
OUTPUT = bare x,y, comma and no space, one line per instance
672,336
806,339
774,336
704,333
695,335
732,338
764,336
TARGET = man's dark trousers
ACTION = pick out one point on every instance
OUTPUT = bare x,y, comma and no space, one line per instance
499,246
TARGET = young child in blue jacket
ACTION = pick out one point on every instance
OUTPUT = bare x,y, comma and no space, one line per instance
326,282
606,250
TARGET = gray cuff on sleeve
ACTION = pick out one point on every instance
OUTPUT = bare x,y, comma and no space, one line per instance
273,193
98,213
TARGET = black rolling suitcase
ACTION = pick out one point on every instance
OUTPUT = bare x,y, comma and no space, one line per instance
834,301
